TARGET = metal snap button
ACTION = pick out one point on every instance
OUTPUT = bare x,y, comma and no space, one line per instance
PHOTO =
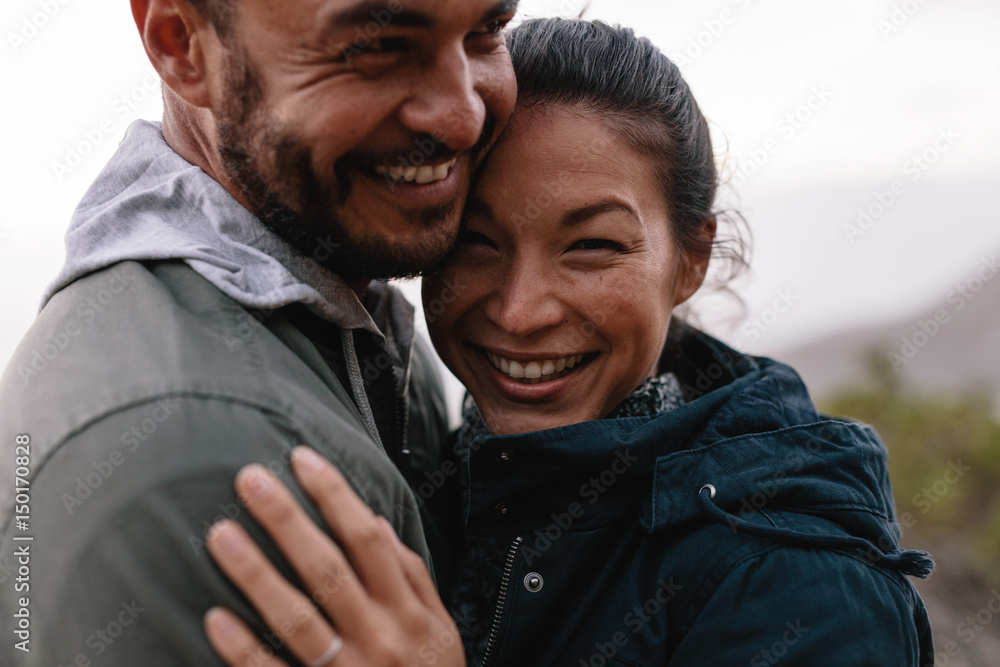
502,509
505,456
533,582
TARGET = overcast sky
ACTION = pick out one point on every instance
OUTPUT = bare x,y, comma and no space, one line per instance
818,107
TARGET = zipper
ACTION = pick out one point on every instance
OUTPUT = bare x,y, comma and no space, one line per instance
501,601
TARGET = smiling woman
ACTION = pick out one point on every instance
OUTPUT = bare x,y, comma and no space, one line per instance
565,314
626,490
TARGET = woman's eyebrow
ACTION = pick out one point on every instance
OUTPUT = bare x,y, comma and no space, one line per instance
584,213
477,206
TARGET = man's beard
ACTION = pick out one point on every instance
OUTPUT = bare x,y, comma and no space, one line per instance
305,213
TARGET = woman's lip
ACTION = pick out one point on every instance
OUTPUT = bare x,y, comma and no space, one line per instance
419,196
527,358
520,392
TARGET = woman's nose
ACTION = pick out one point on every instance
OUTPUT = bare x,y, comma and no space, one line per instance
525,304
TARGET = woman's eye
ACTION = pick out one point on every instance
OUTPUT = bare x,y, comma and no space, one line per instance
596,244
466,237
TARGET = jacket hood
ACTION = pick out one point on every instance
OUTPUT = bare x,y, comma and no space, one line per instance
150,204
748,450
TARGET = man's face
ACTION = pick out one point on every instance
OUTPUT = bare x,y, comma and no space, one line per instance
352,128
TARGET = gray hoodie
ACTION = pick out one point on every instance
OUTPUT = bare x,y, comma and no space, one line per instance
181,341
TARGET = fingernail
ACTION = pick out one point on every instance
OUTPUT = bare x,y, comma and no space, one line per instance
257,478
228,540
221,622
308,459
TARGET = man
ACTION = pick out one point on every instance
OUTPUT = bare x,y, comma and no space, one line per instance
217,308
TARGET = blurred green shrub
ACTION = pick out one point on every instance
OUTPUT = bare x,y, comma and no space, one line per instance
944,460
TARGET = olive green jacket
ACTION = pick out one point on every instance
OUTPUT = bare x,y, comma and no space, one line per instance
143,389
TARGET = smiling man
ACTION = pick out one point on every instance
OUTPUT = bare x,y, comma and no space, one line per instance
217,306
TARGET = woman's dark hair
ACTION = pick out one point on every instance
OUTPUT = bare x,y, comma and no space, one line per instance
627,81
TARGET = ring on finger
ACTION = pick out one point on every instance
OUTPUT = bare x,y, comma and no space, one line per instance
336,644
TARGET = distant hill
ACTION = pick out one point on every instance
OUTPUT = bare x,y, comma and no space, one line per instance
959,349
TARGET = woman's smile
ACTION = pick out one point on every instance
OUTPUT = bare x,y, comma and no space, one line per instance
531,378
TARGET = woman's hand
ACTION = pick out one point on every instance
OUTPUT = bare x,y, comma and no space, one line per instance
379,605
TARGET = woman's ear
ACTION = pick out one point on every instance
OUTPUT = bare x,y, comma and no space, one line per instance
175,36
695,265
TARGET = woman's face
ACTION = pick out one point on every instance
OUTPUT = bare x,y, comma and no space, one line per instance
556,305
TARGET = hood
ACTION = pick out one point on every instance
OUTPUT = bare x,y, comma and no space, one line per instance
748,450
150,204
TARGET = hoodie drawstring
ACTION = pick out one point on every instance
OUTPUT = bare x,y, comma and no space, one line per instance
907,561
358,386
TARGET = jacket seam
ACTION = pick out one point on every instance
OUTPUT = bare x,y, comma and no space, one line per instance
295,424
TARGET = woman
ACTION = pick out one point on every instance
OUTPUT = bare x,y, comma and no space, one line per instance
634,492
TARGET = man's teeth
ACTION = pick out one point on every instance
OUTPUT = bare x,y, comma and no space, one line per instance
419,175
534,371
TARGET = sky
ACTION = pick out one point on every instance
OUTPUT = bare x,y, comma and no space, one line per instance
860,141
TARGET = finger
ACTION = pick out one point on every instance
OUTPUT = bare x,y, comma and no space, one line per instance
355,525
235,643
323,567
289,613
416,572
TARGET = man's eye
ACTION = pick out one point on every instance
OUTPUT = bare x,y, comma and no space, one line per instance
494,27
376,46
387,45
596,244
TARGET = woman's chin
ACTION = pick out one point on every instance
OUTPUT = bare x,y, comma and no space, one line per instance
505,420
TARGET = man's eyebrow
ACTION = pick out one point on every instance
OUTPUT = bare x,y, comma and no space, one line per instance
503,7
584,213
367,11
376,11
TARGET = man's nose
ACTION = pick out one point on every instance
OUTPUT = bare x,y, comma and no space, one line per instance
446,102
525,304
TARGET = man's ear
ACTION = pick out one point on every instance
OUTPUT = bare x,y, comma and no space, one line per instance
695,267
175,36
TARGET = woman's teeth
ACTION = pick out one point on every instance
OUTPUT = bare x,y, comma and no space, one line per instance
534,372
419,175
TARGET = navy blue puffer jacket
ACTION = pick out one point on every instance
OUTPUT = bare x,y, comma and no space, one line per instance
743,528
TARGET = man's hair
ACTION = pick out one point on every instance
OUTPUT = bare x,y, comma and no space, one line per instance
219,12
